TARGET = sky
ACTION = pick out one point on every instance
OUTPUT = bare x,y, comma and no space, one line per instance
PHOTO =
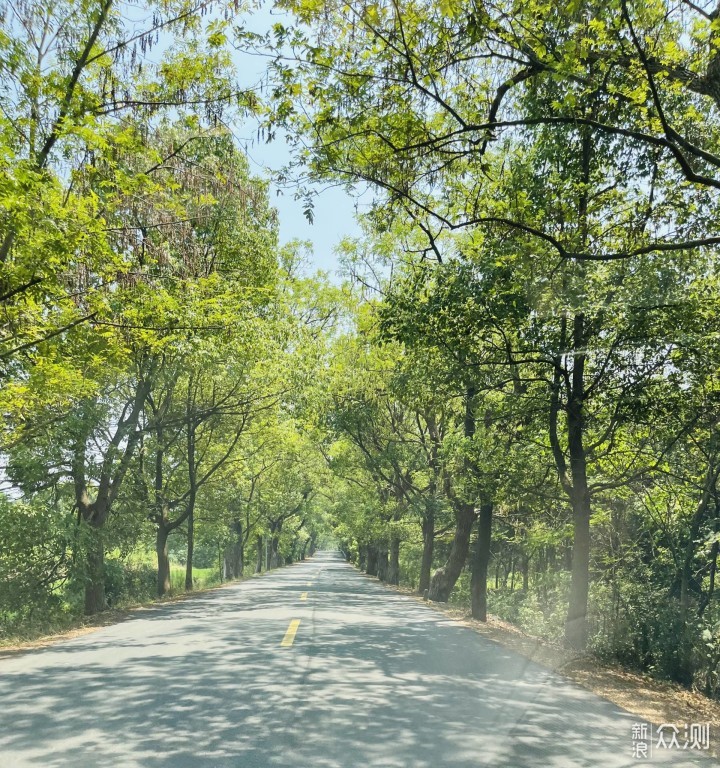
334,208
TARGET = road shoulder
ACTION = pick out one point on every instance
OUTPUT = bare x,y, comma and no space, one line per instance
650,700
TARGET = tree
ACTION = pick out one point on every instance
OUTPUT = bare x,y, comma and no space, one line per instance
410,97
81,87
199,233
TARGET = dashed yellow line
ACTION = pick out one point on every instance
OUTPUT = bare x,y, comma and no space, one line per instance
289,638
303,596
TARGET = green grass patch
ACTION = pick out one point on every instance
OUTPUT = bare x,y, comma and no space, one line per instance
202,578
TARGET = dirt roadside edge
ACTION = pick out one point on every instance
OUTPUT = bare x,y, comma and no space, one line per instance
650,700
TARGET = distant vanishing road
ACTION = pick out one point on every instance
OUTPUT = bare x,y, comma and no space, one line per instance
311,666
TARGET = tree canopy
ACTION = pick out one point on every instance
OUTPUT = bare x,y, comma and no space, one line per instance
508,398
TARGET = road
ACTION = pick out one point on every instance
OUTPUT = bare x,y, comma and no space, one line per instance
311,666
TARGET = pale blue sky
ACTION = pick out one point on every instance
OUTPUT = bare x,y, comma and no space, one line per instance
334,212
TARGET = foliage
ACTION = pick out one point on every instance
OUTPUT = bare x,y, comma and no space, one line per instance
512,402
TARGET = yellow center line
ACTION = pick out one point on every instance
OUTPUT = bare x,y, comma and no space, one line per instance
303,596
289,638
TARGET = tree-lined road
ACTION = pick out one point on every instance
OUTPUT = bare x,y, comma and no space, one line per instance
312,665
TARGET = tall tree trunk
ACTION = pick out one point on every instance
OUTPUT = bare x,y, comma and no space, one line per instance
481,562
576,629
428,534
259,557
240,559
234,555
190,552
574,481
162,515
274,557
192,483
114,467
393,574
444,579
707,597
711,475
95,576
94,515
163,560
362,556
382,562
372,560
576,623
551,559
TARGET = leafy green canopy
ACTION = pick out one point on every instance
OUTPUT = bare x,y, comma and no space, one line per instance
433,103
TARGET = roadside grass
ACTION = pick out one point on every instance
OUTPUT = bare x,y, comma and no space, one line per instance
63,616
31,628
45,628
203,578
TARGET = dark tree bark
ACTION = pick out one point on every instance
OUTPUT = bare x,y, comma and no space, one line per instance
190,552
162,521
95,576
382,562
372,560
192,496
576,624
711,476
707,597
573,479
428,533
274,554
393,573
233,561
481,562
444,579
163,560
259,556
112,472
274,559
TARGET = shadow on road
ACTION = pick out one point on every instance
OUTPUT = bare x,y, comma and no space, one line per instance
373,679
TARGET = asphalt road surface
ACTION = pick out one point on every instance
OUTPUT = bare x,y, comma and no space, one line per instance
312,666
